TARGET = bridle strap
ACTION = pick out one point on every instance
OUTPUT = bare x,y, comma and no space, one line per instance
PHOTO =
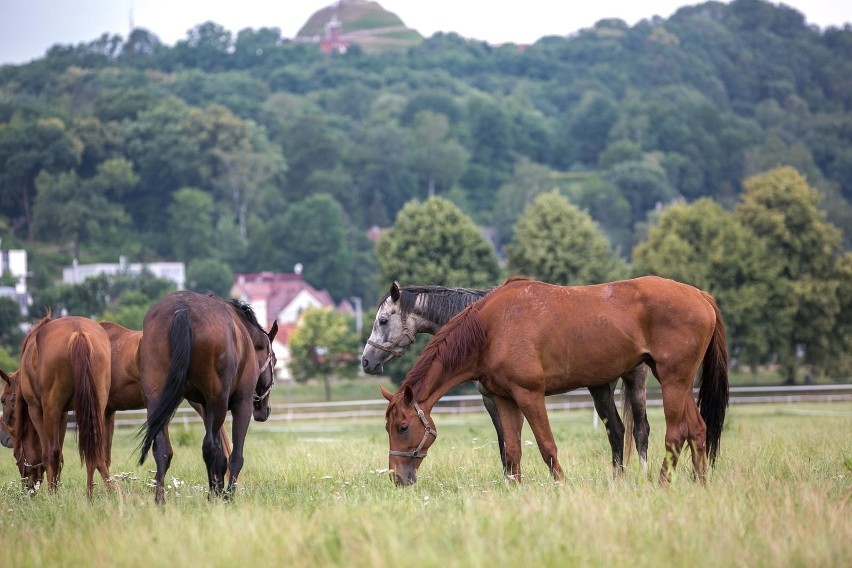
258,398
395,348
429,430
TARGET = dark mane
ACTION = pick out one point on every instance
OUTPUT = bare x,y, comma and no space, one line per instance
245,312
448,301
515,278
455,343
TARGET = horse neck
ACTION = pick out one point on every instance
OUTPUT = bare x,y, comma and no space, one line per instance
437,383
433,308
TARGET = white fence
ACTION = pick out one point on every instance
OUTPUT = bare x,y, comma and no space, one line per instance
351,409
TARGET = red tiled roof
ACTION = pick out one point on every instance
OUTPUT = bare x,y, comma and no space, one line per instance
278,289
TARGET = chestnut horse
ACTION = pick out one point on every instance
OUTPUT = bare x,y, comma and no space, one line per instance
125,392
65,365
406,311
213,353
527,339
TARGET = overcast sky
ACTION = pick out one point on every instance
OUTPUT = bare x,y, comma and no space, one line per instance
29,27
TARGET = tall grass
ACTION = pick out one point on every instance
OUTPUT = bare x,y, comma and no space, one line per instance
319,495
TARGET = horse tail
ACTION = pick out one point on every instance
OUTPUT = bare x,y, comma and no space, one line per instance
180,346
627,419
87,410
713,392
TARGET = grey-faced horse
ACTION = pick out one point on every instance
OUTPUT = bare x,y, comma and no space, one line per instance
406,311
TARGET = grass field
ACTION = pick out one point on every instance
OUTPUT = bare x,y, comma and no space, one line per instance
317,494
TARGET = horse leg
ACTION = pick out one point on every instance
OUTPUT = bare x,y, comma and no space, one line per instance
48,425
605,407
162,450
211,449
674,407
224,440
491,407
634,384
697,436
532,405
241,416
513,421
109,429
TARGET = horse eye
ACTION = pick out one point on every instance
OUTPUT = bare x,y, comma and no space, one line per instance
383,321
403,428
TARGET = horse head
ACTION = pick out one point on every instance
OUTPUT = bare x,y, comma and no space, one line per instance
393,333
8,401
410,433
27,451
266,377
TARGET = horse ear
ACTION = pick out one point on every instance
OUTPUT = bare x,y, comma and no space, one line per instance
273,330
5,376
386,393
394,291
408,395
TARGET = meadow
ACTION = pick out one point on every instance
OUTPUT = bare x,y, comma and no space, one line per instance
318,494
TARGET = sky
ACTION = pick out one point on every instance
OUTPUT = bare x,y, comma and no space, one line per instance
28,28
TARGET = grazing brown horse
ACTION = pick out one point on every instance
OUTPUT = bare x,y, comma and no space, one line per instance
28,452
527,339
213,353
65,365
406,311
125,391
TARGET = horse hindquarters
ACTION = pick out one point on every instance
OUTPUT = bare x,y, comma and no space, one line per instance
162,408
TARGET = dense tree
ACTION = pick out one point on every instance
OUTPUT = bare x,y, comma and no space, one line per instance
438,160
781,208
191,224
528,181
433,242
91,207
10,331
312,233
557,243
26,149
324,345
209,275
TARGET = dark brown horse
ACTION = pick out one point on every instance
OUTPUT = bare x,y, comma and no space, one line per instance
125,392
27,453
65,365
527,339
406,311
213,353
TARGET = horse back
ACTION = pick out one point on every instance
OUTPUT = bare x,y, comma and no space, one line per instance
220,345
592,334
125,391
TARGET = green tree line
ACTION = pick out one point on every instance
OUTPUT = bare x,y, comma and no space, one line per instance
250,152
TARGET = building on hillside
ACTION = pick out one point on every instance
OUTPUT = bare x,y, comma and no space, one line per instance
77,273
14,263
280,297
332,41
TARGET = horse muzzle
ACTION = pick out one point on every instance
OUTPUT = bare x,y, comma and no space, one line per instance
407,476
5,437
372,368
261,412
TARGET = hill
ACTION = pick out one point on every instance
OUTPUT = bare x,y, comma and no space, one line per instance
360,22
